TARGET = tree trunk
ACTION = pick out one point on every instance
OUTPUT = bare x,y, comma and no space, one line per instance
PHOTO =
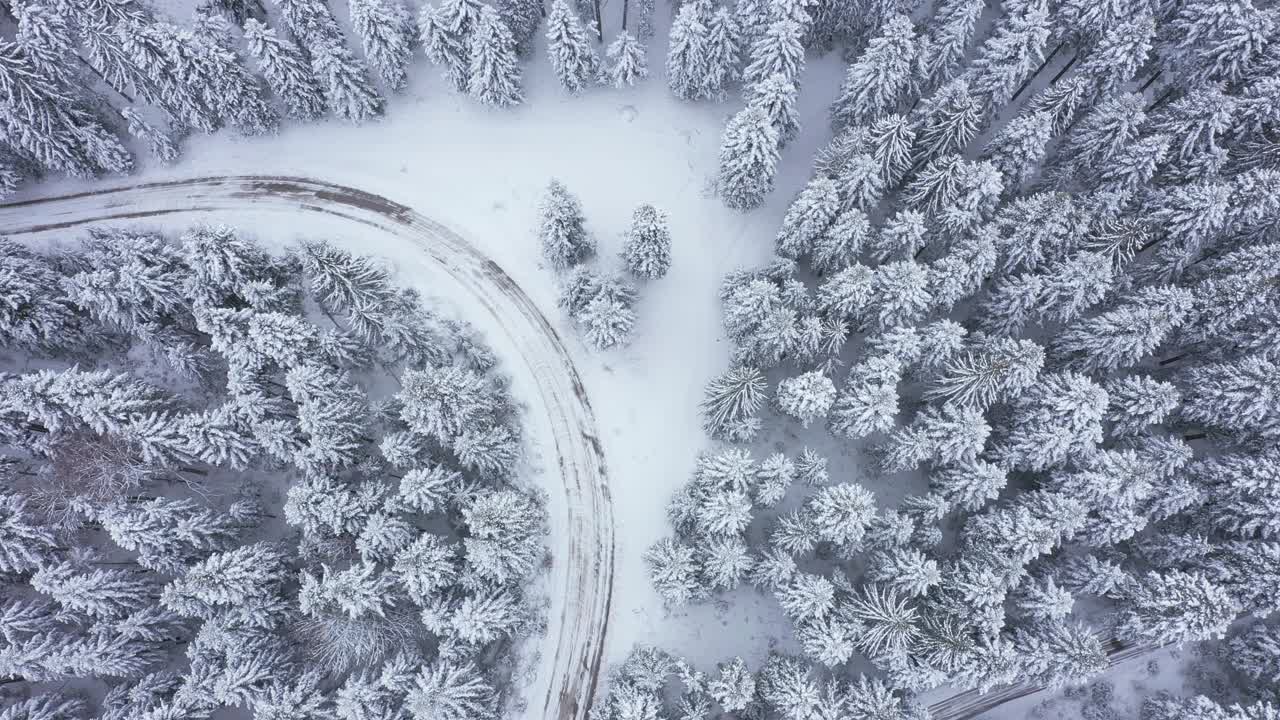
1150,80
1033,75
1070,63
1195,436
595,7
625,5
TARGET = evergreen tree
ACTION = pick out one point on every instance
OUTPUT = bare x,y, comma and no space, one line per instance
27,542
688,54
674,572
776,96
946,436
868,402
446,37
386,34
779,50
346,86
647,248
609,318
1136,402
565,240
495,71
875,83
1018,149
806,397
522,18
628,61
572,58
900,293
1175,607
996,369
949,120
1209,41
748,158
247,575
1126,334
840,514
735,688
159,142
1013,52
946,42
839,247
731,401
809,216
1056,418
722,54
446,690
968,485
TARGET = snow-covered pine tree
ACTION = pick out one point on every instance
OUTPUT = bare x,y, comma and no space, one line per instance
993,370
946,41
608,318
647,248
451,690
495,70
1175,607
688,53
949,435
345,84
778,50
875,84
1124,335
286,71
776,95
562,230
573,58
386,33
748,158
723,52
949,120
868,402
1012,53
806,397
674,572
445,32
1019,148
730,403
160,143
628,61
840,514
1058,417
809,216
840,246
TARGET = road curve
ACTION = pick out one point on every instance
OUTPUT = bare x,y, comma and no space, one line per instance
581,577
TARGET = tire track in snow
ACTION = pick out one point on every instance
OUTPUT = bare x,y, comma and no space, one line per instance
581,576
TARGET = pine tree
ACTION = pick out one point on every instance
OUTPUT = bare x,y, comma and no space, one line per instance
688,64
1012,53
445,690
900,293
969,485
674,572
386,32
748,159
495,70
647,248
731,401
841,513
946,436
949,120
735,688
722,54
776,96
996,369
806,397
426,566
159,142
1209,41
1136,402
247,575
944,46
1126,334
573,58
628,61
346,86
868,402
1018,149
725,563
777,51
446,37
1175,607
522,18
1056,418
809,216
609,318
875,83
565,241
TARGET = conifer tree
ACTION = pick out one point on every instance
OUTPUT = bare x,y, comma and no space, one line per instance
868,402
722,54
997,369
673,571
159,142
522,18
688,54
446,37
809,216
495,71
748,158
1057,417
1012,53
346,87
1124,335
731,401
778,50
944,45
875,83
565,241
628,61
806,397
1175,607
449,690
573,58
647,249
945,436
386,32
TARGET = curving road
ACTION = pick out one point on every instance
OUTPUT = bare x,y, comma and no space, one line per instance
581,577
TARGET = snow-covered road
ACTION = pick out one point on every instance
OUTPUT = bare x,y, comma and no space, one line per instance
581,575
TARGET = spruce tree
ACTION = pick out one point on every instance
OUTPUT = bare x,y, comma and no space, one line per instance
806,397
346,86
776,96
875,83
688,53
748,159
777,51
808,218
647,248
573,58
565,241
628,62
445,32
495,70
385,29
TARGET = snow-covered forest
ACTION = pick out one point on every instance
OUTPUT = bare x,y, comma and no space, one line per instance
234,479
998,408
